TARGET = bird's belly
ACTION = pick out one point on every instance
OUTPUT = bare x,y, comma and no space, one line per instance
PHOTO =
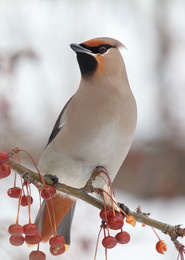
74,163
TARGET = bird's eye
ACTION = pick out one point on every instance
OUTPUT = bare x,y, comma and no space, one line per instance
102,49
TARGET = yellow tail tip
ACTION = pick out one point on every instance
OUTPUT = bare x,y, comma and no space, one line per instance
66,247
28,245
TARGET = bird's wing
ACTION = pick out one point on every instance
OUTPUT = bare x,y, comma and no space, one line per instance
58,125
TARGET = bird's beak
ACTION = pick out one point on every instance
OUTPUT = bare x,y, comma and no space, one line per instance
78,48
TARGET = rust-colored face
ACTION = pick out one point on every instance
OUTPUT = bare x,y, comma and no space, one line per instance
90,55
98,55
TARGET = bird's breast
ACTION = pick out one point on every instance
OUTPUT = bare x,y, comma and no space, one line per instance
95,132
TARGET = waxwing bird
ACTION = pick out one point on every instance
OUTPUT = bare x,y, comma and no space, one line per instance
95,128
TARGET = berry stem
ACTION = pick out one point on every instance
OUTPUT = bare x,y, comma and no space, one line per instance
40,212
104,231
109,185
15,179
156,233
109,180
29,201
21,150
105,253
18,158
105,213
105,248
19,206
15,176
97,242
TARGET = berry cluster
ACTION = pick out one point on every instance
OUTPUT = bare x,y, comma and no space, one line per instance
29,233
115,221
16,231
112,219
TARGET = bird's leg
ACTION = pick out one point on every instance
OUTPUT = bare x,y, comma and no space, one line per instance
88,188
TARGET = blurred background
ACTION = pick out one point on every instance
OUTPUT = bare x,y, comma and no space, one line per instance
39,73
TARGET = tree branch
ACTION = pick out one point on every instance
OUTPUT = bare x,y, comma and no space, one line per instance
173,231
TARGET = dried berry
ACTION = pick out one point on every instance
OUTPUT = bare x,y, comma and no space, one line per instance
106,214
109,242
161,247
4,157
123,237
35,239
14,192
4,171
57,251
15,230
30,229
37,255
115,222
26,200
16,240
131,220
57,241
48,192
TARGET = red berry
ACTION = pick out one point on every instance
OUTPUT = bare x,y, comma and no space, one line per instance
37,255
48,192
15,230
106,214
14,192
123,237
109,242
30,229
4,171
16,240
35,239
4,157
26,200
57,241
57,251
115,222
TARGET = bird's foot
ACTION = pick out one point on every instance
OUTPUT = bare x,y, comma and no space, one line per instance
124,208
54,178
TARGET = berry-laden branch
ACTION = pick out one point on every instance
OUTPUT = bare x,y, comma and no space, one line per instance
173,231
35,178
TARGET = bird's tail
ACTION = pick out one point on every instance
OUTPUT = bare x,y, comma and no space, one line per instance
58,211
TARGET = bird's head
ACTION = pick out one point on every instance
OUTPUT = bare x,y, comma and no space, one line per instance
99,56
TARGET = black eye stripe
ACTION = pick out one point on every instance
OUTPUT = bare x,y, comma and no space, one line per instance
96,49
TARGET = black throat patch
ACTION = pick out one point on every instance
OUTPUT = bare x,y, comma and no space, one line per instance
87,63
